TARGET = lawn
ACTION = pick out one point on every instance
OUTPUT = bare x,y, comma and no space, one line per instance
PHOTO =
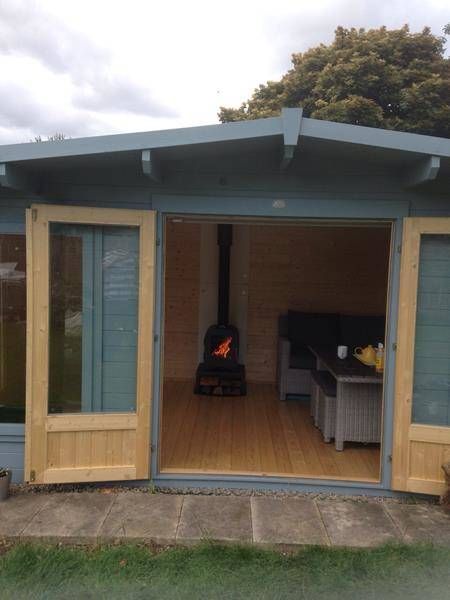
210,571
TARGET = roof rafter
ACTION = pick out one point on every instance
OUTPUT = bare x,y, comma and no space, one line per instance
291,121
151,166
16,178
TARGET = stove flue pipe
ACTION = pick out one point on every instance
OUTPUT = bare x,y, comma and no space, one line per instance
224,240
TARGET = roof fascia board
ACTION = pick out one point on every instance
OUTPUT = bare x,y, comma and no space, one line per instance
424,170
292,120
379,138
242,130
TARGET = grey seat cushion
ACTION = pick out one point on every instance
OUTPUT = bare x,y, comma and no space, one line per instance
301,358
356,330
313,329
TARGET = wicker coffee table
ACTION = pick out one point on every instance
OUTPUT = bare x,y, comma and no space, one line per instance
359,397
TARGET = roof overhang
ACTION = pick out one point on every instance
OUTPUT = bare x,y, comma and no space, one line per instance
289,131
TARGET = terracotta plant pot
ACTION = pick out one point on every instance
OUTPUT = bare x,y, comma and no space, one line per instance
5,480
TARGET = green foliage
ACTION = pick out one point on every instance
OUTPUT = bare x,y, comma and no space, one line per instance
56,137
232,572
393,79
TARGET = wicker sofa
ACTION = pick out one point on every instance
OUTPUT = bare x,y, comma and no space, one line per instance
298,330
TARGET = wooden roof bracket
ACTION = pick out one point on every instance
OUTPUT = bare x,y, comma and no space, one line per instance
426,169
291,119
151,166
16,178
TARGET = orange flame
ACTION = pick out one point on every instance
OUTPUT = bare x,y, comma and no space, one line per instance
223,349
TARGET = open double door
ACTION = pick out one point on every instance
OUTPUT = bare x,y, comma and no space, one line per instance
90,311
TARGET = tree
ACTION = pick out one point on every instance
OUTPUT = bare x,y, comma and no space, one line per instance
393,79
56,137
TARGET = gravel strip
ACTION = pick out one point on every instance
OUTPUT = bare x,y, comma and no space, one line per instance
200,491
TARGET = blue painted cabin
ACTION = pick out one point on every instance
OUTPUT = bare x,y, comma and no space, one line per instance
109,276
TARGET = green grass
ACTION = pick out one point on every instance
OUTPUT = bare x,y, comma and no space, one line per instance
210,571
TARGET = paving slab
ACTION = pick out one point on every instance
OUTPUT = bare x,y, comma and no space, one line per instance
421,522
287,521
71,518
357,524
17,511
215,518
142,517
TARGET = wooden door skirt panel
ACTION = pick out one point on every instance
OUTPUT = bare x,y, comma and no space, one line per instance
91,422
93,474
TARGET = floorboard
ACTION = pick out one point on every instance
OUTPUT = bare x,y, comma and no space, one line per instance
256,434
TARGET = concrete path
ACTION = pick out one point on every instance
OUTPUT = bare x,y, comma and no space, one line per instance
164,519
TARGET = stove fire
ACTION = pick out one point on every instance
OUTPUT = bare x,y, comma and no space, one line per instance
223,349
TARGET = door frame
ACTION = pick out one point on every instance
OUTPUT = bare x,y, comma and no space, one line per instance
38,423
167,205
405,432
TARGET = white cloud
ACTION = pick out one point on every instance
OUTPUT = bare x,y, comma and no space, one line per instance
27,29
88,67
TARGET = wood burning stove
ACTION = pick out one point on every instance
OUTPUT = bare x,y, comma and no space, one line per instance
221,346
220,373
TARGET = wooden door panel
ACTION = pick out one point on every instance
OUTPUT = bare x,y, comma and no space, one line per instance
85,445
422,400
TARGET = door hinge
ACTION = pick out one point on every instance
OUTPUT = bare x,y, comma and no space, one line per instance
32,475
399,248
389,457
158,242
394,346
155,337
34,214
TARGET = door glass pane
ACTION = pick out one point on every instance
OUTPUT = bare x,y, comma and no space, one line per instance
431,394
12,328
94,283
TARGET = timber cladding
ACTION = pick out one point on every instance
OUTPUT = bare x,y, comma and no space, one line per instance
312,269
182,293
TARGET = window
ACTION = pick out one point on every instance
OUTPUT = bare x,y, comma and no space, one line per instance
431,397
12,328
94,286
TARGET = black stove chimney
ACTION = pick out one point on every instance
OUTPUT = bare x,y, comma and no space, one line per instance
220,373
224,240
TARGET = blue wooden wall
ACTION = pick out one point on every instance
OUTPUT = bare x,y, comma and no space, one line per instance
12,443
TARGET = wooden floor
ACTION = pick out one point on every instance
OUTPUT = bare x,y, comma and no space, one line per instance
256,434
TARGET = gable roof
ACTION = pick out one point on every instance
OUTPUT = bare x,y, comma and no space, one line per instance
289,127
417,158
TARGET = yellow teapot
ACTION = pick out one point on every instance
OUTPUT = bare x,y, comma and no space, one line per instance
366,355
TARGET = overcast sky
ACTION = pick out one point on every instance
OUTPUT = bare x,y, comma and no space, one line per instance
89,67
